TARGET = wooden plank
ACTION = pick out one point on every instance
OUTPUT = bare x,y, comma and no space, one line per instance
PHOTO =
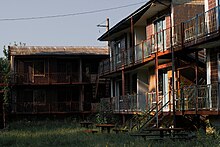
166,65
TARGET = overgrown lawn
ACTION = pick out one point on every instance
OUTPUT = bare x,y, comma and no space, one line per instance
69,133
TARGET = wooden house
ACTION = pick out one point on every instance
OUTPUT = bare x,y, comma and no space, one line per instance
164,59
54,80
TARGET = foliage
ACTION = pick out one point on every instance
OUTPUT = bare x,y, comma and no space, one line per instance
105,114
5,74
69,133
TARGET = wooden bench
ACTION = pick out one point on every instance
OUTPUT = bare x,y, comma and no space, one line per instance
173,133
162,131
86,124
91,131
146,136
107,127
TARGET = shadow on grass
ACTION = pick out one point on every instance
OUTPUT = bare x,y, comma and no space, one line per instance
62,133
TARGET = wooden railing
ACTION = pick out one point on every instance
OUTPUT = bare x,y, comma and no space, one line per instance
34,107
53,78
201,28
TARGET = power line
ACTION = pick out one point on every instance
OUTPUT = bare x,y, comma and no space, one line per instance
70,14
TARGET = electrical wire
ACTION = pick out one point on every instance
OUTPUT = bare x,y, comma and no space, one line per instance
70,14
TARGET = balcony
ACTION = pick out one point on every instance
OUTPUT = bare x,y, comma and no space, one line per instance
53,78
201,99
198,98
142,52
200,29
57,107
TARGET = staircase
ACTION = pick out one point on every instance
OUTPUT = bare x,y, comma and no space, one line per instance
99,81
156,118
152,118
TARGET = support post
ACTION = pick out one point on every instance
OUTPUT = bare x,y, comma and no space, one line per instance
196,75
81,98
173,71
132,40
156,80
123,81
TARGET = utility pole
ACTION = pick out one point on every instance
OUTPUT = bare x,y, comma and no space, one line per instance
107,29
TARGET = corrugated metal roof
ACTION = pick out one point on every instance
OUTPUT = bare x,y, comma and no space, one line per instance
57,50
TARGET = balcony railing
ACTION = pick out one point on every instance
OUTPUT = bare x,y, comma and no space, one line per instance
128,103
196,30
53,78
202,26
31,107
131,103
200,97
189,98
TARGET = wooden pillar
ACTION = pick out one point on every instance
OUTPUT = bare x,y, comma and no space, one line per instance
80,70
123,119
81,99
196,75
12,67
173,67
156,80
123,74
48,71
81,96
123,81
132,40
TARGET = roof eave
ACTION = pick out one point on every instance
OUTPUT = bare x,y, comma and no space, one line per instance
126,22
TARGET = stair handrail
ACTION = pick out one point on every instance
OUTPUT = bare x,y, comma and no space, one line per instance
149,120
134,117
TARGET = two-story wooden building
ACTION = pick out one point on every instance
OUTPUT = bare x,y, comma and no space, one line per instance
164,57
53,80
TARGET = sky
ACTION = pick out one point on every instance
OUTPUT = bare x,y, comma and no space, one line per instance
75,30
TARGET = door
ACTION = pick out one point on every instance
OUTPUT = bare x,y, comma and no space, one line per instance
160,26
118,93
164,89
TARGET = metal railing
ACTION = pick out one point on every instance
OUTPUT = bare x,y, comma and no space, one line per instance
200,97
193,98
131,103
128,103
201,26
193,31
158,42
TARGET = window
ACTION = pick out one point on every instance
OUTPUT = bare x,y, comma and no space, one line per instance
117,52
39,68
160,25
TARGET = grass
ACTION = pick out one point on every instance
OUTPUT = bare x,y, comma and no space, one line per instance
69,133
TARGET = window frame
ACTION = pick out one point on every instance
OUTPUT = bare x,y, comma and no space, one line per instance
34,68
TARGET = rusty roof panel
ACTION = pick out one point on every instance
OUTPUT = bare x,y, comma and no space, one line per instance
57,50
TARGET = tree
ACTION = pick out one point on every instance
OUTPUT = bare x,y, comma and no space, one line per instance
4,80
